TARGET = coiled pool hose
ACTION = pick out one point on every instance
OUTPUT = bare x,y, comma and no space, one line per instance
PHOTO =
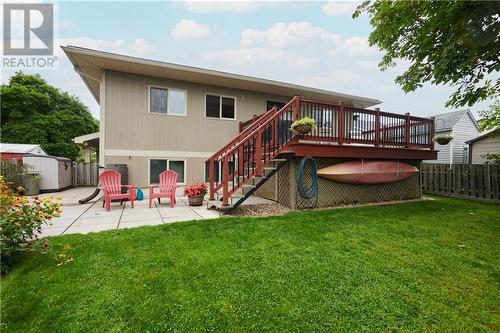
312,192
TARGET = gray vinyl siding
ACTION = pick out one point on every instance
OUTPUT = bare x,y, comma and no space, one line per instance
443,151
129,125
464,130
133,135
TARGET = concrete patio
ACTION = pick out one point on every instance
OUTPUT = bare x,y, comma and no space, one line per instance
92,217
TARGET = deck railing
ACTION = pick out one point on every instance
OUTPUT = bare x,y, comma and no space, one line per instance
266,137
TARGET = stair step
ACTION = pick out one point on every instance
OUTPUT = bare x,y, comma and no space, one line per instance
279,160
216,204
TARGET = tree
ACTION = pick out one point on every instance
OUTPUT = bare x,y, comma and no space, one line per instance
490,119
446,42
35,112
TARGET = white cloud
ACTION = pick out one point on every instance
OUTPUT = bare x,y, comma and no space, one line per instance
355,47
338,8
189,29
207,7
283,35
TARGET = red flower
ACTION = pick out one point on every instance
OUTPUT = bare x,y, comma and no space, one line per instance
195,189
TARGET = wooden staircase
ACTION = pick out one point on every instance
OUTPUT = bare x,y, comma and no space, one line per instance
248,188
239,168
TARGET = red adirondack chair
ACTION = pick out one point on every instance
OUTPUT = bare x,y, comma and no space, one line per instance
168,184
110,182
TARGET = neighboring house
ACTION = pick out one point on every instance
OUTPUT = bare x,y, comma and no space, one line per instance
463,127
223,128
16,151
482,145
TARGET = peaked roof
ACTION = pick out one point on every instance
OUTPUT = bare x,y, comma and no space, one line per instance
91,63
446,121
21,148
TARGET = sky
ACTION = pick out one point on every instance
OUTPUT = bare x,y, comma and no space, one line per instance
316,44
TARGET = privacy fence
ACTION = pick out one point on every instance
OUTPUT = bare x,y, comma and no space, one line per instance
85,174
469,181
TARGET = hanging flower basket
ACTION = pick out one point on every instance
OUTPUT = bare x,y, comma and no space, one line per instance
195,193
303,126
303,129
443,139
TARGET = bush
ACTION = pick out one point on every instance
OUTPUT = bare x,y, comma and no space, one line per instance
21,222
492,158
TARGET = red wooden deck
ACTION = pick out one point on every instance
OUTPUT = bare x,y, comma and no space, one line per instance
341,131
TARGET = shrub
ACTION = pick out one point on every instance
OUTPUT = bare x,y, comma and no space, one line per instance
20,224
306,121
492,158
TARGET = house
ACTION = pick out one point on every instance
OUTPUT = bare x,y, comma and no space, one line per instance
229,129
483,144
463,127
16,151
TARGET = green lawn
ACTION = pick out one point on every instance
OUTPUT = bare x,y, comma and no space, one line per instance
424,266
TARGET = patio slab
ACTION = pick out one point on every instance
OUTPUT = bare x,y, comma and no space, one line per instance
92,217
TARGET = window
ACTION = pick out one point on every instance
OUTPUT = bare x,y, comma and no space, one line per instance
213,106
167,101
218,170
177,102
220,107
270,104
157,166
158,100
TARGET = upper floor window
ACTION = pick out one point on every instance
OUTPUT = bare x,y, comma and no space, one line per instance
167,101
220,107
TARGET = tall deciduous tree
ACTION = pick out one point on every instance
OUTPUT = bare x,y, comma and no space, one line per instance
35,112
446,42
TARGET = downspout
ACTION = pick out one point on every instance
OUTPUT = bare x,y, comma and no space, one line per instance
451,149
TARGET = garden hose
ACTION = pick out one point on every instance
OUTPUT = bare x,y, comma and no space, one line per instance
312,192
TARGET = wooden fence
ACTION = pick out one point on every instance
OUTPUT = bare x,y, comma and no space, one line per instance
85,174
469,181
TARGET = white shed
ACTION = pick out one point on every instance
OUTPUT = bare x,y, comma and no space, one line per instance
55,172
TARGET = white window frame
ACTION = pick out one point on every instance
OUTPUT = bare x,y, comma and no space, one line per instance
168,167
168,89
220,106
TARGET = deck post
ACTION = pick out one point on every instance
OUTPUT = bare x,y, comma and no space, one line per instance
296,108
211,175
377,127
341,124
431,133
275,133
258,154
225,181
241,162
407,130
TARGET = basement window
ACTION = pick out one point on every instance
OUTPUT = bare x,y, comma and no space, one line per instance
157,166
222,107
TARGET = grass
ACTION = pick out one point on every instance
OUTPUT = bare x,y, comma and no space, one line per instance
422,266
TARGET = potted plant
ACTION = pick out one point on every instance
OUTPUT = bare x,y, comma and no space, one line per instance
195,193
303,126
443,139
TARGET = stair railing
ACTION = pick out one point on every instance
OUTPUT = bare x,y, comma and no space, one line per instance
247,157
